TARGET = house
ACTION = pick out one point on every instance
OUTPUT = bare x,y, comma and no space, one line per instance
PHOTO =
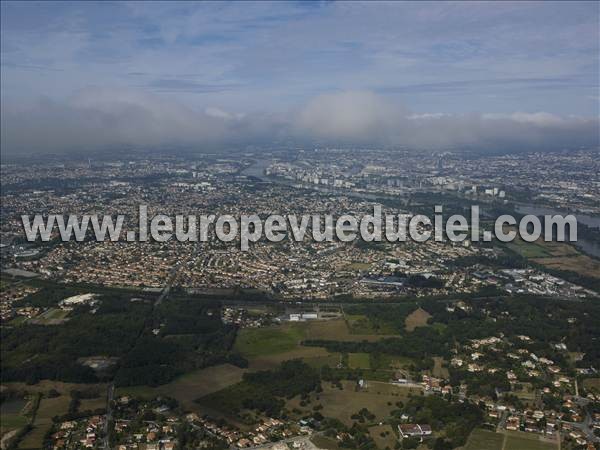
414,430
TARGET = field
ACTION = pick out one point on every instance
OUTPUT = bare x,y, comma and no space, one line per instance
439,370
529,249
484,440
523,441
91,404
379,398
11,422
45,385
266,347
358,266
324,442
253,342
418,318
592,383
54,316
314,356
384,436
557,255
359,361
191,386
49,407
581,264
527,393
338,330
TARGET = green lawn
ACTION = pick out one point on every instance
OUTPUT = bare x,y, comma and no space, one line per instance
484,440
253,342
359,360
529,249
523,441
9,422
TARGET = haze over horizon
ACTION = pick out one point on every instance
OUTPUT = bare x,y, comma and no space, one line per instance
85,77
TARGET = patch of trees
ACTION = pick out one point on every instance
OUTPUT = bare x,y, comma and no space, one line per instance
423,342
457,420
266,390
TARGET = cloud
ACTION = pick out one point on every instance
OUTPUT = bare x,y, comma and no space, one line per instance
368,119
98,119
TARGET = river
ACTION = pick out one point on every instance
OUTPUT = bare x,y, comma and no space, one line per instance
588,246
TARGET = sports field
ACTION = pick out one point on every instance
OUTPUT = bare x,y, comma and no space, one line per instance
253,342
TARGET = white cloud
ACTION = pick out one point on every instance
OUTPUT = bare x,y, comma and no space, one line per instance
97,119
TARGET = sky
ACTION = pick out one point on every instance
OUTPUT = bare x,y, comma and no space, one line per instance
91,76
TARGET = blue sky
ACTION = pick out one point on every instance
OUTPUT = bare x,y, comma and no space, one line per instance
236,60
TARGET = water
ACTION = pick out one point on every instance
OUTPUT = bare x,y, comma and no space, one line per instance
590,221
257,170
589,247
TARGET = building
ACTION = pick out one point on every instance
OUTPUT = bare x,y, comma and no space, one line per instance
414,430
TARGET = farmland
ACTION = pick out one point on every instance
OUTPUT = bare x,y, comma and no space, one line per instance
190,386
523,441
484,440
418,318
253,342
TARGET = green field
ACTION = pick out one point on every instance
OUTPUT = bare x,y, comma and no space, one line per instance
484,440
524,441
377,397
384,436
592,383
325,442
528,249
361,324
49,407
9,422
190,386
359,361
53,316
253,342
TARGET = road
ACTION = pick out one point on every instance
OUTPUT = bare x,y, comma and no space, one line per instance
109,400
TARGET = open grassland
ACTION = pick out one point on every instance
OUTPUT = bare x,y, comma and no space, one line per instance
253,342
360,324
358,266
46,385
526,393
191,385
417,318
581,264
54,316
325,442
379,398
523,441
359,361
592,383
384,436
307,354
92,404
529,249
49,407
439,370
557,255
330,359
10,422
484,440
338,330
